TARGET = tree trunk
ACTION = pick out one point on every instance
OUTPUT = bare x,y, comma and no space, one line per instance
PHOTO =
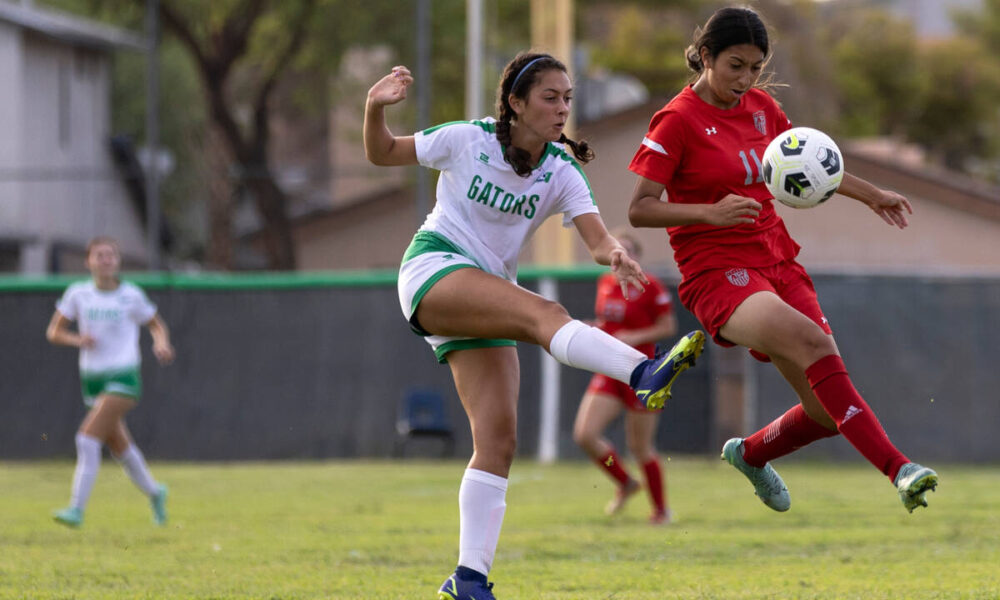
219,253
272,205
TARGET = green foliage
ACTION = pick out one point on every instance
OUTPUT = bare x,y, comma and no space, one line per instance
876,72
389,530
958,111
643,47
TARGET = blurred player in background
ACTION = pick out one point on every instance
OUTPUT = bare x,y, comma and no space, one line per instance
457,282
108,313
737,260
639,320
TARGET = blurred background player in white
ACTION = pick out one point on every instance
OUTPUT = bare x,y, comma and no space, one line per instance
108,313
737,261
499,179
640,320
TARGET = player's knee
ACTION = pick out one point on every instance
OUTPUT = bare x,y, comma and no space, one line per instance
584,437
547,317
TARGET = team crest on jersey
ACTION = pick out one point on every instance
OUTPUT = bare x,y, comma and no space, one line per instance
738,277
760,121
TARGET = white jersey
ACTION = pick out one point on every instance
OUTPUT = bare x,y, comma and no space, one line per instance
112,318
483,206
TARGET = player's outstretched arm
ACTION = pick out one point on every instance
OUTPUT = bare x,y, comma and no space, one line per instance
606,250
892,207
381,146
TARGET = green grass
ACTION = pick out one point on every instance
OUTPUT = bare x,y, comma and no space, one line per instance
388,530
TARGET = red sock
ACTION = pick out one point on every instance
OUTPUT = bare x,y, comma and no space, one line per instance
782,436
855,419
654,483
612,465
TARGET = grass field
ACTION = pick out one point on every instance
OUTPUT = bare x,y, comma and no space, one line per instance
389,530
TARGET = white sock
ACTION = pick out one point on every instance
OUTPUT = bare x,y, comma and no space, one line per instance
481,507
134,464
88,463
579,345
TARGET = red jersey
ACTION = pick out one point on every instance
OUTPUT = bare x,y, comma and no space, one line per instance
642,309
701,153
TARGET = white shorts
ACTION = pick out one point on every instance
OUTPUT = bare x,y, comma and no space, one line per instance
430,257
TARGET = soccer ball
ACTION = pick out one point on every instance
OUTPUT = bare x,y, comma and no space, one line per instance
802,167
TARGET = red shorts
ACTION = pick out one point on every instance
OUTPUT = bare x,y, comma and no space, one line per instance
713,295
602,384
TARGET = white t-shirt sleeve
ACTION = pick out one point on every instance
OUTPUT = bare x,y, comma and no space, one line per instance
576,197
437,147
69,304
142,308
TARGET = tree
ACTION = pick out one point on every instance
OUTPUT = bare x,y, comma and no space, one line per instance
216,44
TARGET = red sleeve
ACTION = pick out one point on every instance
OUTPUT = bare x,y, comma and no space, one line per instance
661,149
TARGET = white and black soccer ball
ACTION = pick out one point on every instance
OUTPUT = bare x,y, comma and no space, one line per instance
802,167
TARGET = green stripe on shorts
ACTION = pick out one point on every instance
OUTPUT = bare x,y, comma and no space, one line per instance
127,383
447,347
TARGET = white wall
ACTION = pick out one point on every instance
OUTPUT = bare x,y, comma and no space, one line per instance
71,190
10,125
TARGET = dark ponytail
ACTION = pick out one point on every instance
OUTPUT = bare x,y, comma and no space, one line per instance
518,78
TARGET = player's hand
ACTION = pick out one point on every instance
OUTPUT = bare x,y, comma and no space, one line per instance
892,207
391,88
627,271
87,341
733,210
164,352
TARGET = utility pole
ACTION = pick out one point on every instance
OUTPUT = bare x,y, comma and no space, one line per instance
152,171
552,244
552,32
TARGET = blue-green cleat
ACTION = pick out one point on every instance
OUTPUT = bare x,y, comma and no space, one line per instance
70,516
913,481
767,484
652,379
466,584
158,502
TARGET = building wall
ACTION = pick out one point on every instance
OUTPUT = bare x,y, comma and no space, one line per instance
11,66
60,185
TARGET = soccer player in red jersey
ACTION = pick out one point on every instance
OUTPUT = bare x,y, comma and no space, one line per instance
640,320
737,260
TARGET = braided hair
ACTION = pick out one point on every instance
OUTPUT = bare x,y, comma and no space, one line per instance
518,78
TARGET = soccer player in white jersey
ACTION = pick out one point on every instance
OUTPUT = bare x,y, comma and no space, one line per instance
499,179
108,313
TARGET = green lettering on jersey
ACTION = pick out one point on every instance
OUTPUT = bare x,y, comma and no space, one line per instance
474,187
508,202
517,205
496,194
484,197
528,214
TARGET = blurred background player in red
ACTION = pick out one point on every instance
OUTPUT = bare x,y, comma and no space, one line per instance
640,320
737,261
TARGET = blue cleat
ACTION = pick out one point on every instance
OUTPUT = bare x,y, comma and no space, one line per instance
70,517
767,484
912,482
652,379
466,584
158,502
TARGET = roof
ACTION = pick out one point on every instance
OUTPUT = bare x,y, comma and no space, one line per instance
70,29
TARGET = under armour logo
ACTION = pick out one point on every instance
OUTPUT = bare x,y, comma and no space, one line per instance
710,130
